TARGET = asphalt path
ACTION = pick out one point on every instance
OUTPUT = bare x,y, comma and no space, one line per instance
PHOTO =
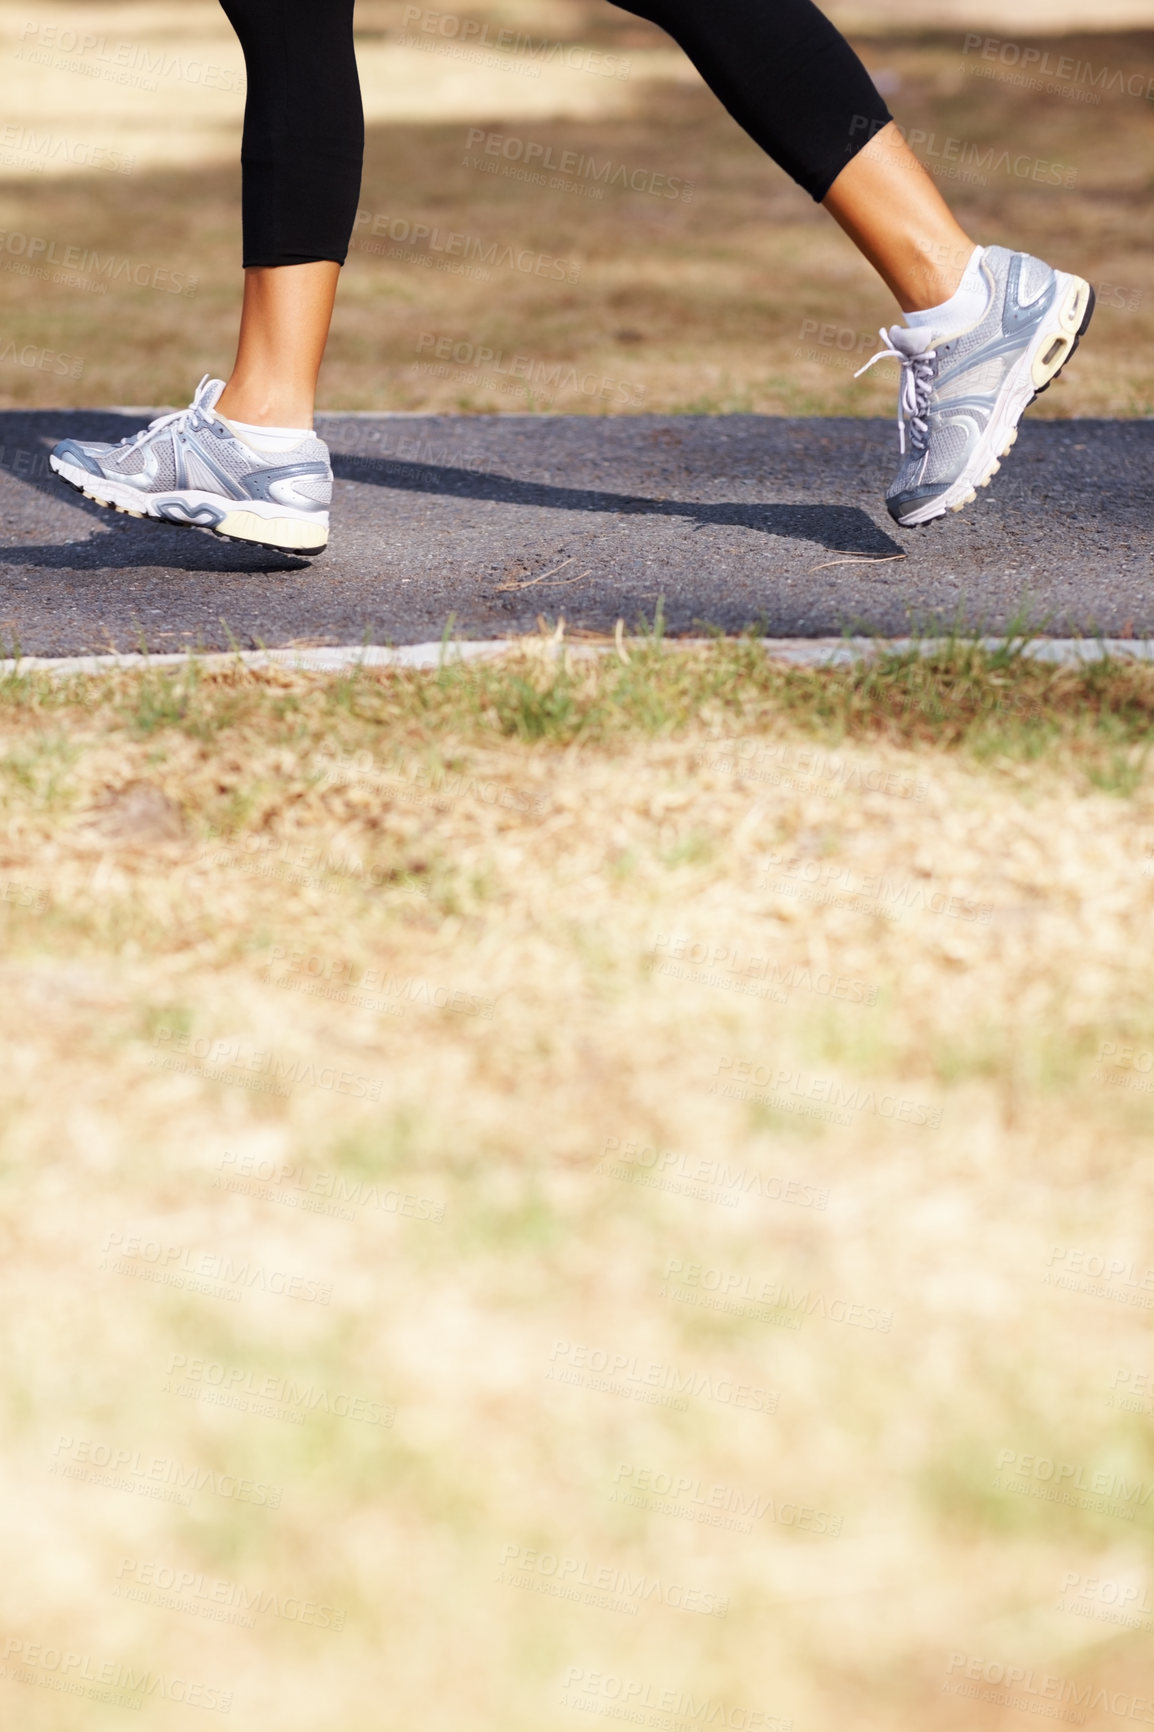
482,525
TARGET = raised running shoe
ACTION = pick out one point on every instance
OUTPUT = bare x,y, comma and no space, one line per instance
963,393
193,469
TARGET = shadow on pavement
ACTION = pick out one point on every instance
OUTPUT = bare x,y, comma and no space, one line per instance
26,437
145,549
840,528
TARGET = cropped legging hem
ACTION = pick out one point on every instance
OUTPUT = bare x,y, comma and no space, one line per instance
779,66
786,75
304,129
299,206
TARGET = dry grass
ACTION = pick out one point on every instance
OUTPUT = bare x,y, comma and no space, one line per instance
743,297
469,908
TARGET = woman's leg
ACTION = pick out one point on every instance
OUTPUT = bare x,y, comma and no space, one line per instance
302,154
242,459
796,86
896,217
284,327
985,329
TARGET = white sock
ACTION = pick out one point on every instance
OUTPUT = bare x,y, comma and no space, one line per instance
963,309
270,439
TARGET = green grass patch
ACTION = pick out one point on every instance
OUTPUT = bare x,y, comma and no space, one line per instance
993,705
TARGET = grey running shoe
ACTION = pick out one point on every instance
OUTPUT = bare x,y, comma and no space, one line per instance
963,394
191,468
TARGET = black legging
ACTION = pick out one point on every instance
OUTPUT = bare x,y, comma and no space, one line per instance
779,66
304,129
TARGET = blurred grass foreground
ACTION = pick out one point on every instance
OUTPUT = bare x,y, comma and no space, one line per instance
628,1170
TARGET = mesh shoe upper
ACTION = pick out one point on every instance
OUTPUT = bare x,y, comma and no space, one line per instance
951,383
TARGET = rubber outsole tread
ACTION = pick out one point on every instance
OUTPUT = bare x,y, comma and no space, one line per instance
171,523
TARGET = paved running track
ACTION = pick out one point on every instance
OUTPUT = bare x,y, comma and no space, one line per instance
489,522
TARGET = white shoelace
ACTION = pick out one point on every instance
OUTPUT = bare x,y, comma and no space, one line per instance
916,389
182,416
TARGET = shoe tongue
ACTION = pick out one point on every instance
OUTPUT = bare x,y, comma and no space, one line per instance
912,339
208,393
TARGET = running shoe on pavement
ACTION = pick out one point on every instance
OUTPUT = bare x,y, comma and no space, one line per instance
192,468
964,392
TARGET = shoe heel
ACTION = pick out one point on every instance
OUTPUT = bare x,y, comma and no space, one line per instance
1073,321
283,534
1078,308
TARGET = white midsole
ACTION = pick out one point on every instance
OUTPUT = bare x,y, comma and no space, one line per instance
1017,393
128,498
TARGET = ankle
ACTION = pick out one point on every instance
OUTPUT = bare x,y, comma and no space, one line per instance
956,312
935,276
256,408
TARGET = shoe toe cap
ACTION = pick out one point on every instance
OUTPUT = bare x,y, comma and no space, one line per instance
910,501
70,451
